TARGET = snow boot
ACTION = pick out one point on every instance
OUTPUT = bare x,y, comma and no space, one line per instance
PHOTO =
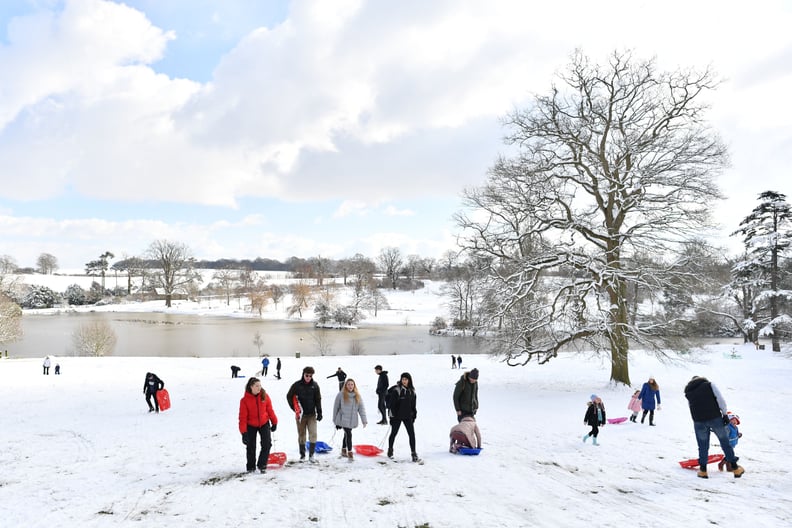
737,471
302,453
415,457
585,437
350,455
390,453
643,416
343,452
595,440
702,473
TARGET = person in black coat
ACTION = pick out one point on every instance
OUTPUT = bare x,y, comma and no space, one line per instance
341,375
151,385
382,391
402,408
595,417
305,399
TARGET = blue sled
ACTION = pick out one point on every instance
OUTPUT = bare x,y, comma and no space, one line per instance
470,451
321,447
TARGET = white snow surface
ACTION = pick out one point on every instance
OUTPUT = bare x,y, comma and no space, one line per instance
81,449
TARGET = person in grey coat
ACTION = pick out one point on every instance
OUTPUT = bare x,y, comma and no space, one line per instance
346,409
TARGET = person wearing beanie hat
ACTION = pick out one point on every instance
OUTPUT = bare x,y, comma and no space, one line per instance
594,417
402,409
466,395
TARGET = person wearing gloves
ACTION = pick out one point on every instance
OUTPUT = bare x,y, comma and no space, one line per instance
649,393
710,415
305,400
346,409
256,417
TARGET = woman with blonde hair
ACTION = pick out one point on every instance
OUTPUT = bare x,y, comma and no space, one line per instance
348,406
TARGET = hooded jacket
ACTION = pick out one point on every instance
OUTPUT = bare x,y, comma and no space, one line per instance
382,383
309,396
401,400
470,429
152,383
591,417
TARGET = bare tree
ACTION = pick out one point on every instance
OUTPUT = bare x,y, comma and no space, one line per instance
96,338
174,267
7,264
258,341
47,264
616,160
133,266
226,277
301,298
10,320
390,261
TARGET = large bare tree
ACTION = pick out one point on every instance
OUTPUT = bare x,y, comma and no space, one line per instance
174,267
47,264
616,161
390,260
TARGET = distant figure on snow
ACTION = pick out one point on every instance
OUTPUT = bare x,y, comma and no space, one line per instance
595,417
382,391
649,392
235,371
634,405
459,362
277,369
453,361
265,366
57,369
46,365
341,375
151,385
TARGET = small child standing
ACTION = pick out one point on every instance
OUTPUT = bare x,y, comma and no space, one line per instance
634,405
734,435
595,417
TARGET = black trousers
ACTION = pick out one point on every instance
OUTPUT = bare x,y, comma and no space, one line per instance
347,442
266,444
409,425
148,400
381,406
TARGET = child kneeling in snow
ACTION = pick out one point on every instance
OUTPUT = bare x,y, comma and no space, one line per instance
734,434
595,417
465,434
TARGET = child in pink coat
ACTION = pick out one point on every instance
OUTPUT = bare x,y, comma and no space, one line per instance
634,405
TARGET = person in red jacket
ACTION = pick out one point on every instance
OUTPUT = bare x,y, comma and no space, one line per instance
256,417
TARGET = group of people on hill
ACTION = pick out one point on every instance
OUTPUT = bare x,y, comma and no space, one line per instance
397,405
707,408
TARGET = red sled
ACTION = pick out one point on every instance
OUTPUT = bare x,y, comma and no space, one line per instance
276,459
163,399
694,464
367,450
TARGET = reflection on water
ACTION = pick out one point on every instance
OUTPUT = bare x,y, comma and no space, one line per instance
169,335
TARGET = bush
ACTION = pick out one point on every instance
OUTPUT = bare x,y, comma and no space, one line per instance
40,297
75,295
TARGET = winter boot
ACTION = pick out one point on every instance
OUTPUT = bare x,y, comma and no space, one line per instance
737,471
643,417
311,451
595,440
585,437
343,452
302,452
416,459
702,472
350,455
390,452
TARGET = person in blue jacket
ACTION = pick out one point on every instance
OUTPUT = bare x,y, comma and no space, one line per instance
650,392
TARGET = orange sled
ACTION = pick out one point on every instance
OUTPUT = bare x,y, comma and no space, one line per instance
693,462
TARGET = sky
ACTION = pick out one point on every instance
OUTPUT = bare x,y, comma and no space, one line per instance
274,129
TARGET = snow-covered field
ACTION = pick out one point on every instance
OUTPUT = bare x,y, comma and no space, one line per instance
80,449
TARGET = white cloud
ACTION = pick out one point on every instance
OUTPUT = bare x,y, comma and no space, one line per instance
394,211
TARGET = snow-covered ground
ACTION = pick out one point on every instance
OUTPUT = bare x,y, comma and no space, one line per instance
80,449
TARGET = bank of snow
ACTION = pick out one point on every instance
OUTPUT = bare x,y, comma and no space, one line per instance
80,449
